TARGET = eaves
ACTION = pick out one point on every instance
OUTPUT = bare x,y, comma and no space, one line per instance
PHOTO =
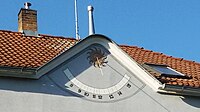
18,72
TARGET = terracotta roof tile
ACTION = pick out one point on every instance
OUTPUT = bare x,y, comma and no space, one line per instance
17,50
189,68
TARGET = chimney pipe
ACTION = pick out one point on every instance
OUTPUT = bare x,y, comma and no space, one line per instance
27,5
91,21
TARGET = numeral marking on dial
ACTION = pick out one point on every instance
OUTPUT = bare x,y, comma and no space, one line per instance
89,89
119,93
100,96
94,96
79,90
128,85
111,96
71,85
86,94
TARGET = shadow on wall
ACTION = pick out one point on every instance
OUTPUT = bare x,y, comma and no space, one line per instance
42,86
52,83
191,100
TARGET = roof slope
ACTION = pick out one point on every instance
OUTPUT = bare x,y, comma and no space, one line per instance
17,50
189,68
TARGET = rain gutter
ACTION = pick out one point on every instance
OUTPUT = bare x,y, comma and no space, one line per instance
179,90
22,72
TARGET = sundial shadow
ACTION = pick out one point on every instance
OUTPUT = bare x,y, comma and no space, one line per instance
41,86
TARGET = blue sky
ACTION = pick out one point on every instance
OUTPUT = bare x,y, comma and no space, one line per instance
168,26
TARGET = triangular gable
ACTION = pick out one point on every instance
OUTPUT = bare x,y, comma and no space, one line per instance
97,66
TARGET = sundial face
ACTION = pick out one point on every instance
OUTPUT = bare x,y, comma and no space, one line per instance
96,75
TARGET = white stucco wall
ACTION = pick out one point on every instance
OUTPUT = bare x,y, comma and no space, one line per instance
43,95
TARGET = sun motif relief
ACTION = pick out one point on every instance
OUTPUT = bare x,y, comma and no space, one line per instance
97,57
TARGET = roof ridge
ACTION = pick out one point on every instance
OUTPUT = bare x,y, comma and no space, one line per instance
128,46
46,35
10,31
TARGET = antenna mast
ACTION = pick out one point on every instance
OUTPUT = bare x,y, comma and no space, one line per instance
76,20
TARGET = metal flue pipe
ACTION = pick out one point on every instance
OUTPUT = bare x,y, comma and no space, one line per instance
27,5
91,21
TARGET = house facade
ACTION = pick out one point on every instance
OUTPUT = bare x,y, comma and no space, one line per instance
43,73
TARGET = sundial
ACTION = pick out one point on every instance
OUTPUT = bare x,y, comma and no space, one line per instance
95,74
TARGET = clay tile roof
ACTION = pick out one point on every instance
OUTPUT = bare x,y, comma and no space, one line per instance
189,68
17,50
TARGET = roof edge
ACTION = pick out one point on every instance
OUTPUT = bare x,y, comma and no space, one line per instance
20,72
11,31
179,90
